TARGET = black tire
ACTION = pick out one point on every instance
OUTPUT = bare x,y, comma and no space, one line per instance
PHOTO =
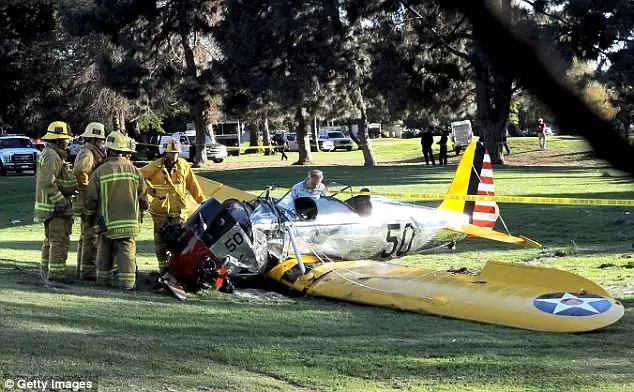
217,160
3,171
457,149
349,148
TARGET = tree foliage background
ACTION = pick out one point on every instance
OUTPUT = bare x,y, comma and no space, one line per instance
133,63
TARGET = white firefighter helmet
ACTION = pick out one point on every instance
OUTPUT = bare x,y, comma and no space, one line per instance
94,130
172,145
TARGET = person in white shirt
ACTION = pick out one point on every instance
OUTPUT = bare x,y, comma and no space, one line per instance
311,186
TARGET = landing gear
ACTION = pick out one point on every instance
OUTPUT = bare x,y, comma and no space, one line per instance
452,245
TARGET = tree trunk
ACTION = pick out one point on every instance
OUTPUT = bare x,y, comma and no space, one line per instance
494,91
303,141
364,137
266,137
314,131
354,136
132,128
116,121
196,102
254,138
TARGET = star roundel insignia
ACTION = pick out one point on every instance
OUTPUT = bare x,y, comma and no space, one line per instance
567,304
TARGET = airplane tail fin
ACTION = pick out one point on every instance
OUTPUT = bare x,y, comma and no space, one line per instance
474,177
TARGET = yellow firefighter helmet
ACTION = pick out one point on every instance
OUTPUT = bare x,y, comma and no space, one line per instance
95,130
118,142
57,130
172,145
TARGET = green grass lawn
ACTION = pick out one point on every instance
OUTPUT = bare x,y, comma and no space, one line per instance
219,342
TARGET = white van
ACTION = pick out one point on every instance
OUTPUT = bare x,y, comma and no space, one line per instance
461,135
216,152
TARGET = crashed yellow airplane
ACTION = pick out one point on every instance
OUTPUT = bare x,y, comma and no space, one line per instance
337,247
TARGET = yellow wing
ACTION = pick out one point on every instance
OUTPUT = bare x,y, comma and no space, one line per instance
222,192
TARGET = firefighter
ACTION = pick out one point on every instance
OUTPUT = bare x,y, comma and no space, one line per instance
169,179
55,186
89,158
115,201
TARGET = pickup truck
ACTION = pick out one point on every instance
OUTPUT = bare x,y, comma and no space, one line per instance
17,153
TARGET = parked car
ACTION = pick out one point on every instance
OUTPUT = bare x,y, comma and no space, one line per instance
338,138
324,144
216,152
152,147
410,133
17,153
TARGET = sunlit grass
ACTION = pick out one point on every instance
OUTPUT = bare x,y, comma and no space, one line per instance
218,342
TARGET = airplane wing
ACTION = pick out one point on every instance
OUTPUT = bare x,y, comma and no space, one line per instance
222,192
482,232
514,295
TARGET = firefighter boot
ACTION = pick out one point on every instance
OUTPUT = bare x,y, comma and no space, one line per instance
57,230
88,268
105,253
125,254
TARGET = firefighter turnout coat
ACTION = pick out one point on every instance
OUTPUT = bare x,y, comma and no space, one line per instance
55,181
169,189
116,197
88,159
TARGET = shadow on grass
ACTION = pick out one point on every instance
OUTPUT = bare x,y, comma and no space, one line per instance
309,343
387,175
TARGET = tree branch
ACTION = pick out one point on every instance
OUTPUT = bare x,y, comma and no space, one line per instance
438,36
562,20
521,59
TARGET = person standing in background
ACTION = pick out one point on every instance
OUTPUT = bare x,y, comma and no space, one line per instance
442,158
427,140
541,133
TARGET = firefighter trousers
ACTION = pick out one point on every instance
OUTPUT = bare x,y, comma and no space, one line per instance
87,250
159,243
55,247
123,252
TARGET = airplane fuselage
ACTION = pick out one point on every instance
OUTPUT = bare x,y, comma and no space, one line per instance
393,229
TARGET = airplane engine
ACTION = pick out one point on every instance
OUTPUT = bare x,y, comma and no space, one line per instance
216,241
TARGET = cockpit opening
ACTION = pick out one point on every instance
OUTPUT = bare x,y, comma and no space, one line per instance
306,208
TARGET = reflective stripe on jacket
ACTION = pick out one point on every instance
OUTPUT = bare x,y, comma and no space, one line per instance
169,190
88,159
54,182
116,196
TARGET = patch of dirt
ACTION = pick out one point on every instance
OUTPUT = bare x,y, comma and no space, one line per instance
258,294
629,265
463,271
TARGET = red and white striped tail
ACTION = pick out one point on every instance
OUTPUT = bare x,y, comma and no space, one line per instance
486,213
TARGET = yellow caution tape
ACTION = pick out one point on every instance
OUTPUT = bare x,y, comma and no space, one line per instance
241,148
501,199
228,147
